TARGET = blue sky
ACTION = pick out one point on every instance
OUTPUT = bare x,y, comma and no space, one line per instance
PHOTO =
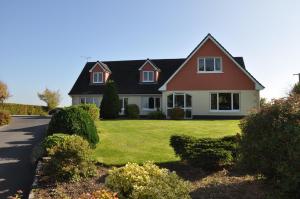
41,42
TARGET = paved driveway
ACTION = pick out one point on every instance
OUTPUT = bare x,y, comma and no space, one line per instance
16,143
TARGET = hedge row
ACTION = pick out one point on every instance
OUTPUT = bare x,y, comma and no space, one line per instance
207,153
23,109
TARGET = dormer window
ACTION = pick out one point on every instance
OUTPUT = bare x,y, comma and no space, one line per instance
97,77
148,76
209,65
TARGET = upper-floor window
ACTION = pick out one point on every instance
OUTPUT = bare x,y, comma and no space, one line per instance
209,64
148,76
97,77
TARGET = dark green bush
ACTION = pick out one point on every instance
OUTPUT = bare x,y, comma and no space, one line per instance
132,111
73,120
270,144
207,153
4,117
91,109
110,104
157,115
22,109
70,158
176,113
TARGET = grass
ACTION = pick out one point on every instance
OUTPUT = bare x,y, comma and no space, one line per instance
123,141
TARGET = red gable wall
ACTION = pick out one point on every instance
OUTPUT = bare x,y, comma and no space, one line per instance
232,78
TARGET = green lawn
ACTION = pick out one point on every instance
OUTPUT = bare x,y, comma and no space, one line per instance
123,141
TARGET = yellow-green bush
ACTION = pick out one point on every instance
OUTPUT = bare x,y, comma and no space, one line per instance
147,181
4,117
23,109
99,194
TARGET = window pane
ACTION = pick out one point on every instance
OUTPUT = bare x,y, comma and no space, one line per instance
225,101
151,78
125,102
151,102
100,77
82,100
188,100
170,101
94,77
201,64
179,101
217,64
121,104
209,64
236,101
89,100
188,113
213,101
157,103
145,76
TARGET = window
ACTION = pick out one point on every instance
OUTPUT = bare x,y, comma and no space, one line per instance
181,100
225,101
90,100
97,77
148,76
152,103
123,104
209,64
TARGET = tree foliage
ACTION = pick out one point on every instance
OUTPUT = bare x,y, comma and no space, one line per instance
51,98
296,89
4,93
110,105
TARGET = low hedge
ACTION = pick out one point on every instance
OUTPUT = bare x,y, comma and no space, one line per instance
23,109
132,111
74,120
4,117
156,115
207,153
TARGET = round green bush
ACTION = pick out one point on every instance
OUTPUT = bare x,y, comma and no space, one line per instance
132,111
4,117
270,144
74,120
70,158
91,109
147,181
176,113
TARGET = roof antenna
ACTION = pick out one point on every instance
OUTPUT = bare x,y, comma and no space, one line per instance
86,58
298,76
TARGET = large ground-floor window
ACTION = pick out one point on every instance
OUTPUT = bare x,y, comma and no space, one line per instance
90,100
180,100
225,101
123,103
151,103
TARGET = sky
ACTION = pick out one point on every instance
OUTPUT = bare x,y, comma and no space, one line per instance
43,43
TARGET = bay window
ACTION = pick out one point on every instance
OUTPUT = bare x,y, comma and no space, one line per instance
225,101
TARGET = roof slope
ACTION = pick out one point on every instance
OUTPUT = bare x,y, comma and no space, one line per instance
127,77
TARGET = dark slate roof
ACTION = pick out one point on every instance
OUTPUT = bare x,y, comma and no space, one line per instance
126,75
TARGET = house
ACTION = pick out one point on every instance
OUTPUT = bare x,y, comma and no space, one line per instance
210,82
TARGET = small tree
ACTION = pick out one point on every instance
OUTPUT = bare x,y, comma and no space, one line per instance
296,89
4,93
110,105
51,98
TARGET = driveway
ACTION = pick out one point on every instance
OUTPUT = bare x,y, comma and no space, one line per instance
16,144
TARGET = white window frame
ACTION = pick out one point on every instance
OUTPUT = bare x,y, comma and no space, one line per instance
214,71
94,100
148,80
218,110
184,104
100,74
155,105
123,104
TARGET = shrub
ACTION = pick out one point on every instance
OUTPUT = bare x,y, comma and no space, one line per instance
70,159
54,140
99,194
4,117
74,120
54,111
176,113
132,111
110,104
157,115
91,109
207,153
22,109
270,144
146,181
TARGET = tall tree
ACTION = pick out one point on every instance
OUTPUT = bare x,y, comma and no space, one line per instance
51,98
4,93
110,105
